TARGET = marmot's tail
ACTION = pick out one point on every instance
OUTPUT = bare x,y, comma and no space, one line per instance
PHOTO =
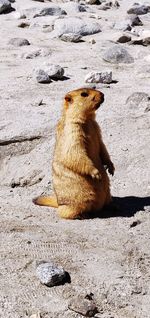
47,201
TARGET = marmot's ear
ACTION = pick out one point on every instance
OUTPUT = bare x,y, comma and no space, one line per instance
68,100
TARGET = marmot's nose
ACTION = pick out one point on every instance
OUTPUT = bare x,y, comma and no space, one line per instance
102,97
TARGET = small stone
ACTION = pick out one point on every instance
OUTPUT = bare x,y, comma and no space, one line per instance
5,6
42,76
18,42
122,25
135,223
35,315
71,7
138,9
117,54
83,306
50,274
91,1
92,41
50,11
54,71
124,38
134,20
19,15
138,98
71,37
99,77
23,25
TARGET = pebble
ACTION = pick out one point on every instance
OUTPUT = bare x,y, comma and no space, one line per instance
138,9
124,38
42,77
5,6
92,41
99,77
83,306
71,37
50,11
75,25
50,274
117,54
18,42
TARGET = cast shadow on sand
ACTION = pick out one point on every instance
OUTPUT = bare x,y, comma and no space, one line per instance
123,207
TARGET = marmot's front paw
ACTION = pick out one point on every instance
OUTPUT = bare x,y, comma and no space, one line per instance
96,174
111,168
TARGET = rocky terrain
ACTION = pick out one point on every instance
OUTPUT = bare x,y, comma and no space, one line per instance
47,49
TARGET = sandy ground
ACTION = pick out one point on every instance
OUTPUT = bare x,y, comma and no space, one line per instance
106,256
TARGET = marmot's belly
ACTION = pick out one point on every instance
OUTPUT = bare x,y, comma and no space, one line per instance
75,189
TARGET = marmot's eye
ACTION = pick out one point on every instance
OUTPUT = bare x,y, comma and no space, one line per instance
84,94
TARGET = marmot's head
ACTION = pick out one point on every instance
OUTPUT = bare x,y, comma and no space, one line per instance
83,101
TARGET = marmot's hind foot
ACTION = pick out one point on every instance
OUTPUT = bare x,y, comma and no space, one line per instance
68,212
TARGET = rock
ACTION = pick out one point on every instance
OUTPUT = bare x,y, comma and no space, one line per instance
71,37
83,306
117,54
38,314
50,11
99,77
54,71
42,76
109,4
36,53
138,9
18,42
50,274
137,99
91,1
5,6
75,25
124,38
134,20
73,7
23,25
19,15
122,25
143,39
92,41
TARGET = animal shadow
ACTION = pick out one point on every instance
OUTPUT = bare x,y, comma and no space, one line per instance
123,207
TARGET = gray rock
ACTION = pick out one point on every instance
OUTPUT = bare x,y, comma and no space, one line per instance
50,11
42,76
122,25
71,37
117,54
5,6
54,71
138,9
36,53
124,38
91,1
137,99
83,306
134,20
99,77
75,25
73,7
18,42
50,274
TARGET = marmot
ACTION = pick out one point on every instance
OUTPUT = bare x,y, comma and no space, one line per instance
80,180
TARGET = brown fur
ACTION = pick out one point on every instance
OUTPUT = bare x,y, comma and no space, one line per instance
80,181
